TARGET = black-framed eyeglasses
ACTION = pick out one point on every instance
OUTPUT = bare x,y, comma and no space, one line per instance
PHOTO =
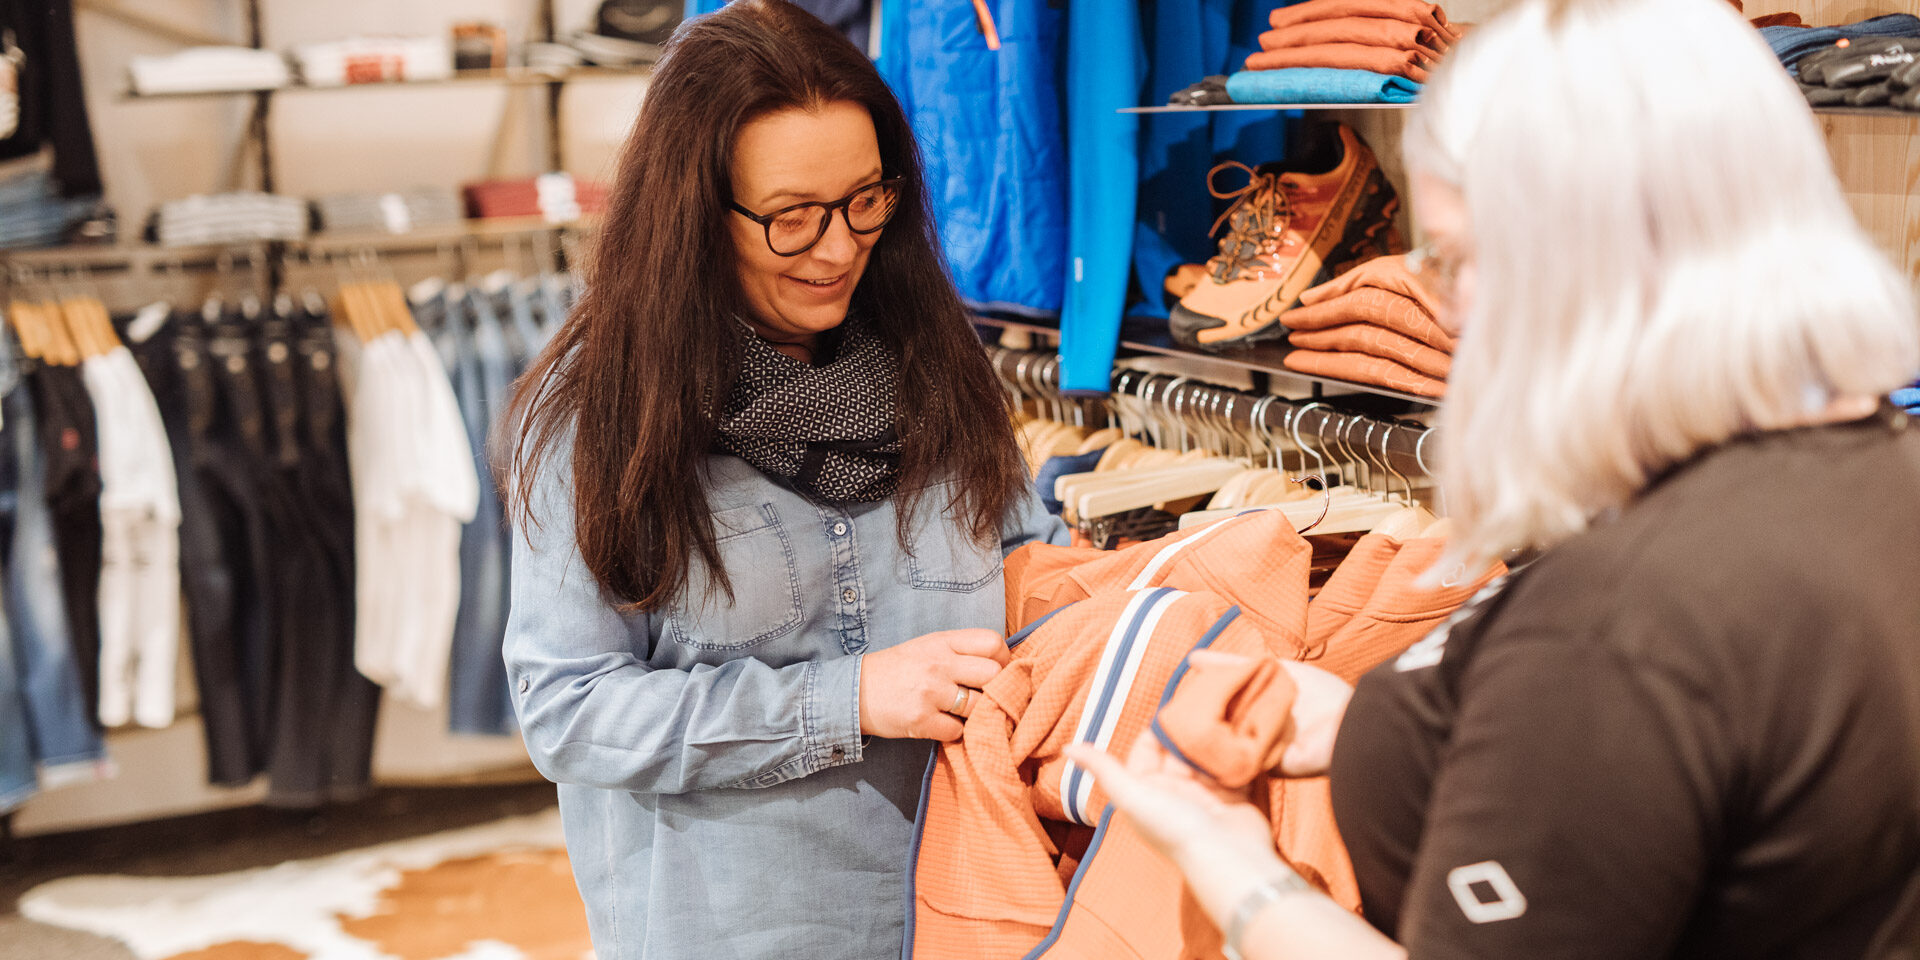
792,231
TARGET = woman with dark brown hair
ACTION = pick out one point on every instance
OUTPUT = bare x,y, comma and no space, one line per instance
765,481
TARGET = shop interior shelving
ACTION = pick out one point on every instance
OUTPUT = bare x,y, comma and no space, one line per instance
1262,360
131,254
512,76
447,238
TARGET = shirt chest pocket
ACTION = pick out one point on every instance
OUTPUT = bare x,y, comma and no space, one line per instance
945,558
765,605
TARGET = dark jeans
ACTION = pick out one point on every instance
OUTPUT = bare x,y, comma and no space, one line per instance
323,747
70,445
266,551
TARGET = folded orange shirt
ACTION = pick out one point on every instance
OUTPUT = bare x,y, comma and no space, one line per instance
1411,64
1428,15
1360,368
1372,31
1228,720
1386,273
1382,308
1376,341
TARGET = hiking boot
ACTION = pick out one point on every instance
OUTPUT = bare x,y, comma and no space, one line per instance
1286,231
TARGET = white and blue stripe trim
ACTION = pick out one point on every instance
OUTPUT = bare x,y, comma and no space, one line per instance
1112,682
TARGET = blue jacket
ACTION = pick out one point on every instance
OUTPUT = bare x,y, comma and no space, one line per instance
992,141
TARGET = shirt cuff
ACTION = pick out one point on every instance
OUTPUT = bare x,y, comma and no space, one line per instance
833,712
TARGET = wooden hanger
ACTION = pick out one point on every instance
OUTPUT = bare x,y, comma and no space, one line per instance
29,324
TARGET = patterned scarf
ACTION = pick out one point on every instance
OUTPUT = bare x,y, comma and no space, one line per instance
828,431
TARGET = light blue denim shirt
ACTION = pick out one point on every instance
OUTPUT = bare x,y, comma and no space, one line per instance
718,799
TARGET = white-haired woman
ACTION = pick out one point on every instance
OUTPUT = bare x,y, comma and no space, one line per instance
1691,726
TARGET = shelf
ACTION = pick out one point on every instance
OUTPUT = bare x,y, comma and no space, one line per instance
1271,107
324,240
1267,358
516,77
1867,112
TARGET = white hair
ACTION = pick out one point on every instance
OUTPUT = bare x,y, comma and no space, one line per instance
1664,260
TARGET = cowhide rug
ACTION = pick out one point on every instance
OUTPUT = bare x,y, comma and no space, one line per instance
502,891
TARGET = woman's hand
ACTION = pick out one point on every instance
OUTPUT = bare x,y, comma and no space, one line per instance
907,690
1179,810
1319,704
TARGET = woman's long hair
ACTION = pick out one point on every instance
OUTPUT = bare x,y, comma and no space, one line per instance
640,369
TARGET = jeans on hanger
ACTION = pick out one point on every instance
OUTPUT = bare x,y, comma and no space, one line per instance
18,781
478,701
556,291
312,648
62,731
324,486
224,543
528,335
69,446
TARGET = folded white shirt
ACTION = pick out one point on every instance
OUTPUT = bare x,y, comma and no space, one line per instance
209,68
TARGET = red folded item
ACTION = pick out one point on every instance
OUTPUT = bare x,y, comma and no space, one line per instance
1360,368
1371,31
1411,64
1428,15
557,197
1376,341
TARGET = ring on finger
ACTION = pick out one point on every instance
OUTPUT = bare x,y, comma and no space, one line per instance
960,698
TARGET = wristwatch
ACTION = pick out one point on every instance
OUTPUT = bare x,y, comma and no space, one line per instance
1265,892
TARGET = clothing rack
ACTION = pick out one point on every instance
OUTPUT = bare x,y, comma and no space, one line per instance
270,266
1357,437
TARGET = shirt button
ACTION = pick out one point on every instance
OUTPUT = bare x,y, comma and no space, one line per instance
839,529
523,684
849,595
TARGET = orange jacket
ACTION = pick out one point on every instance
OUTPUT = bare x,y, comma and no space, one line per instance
1017,853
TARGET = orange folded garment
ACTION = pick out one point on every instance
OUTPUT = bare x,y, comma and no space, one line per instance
1388,273
1228,720
1382,308
1428,15
1372,31
1360,368
1376,341
1411,64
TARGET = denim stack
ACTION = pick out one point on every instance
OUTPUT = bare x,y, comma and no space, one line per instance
33,214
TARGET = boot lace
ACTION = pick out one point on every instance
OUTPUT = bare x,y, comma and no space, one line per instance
1255,220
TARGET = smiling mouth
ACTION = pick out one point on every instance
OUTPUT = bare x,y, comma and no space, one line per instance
821,283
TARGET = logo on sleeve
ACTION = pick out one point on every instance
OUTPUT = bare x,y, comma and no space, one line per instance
1485,893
